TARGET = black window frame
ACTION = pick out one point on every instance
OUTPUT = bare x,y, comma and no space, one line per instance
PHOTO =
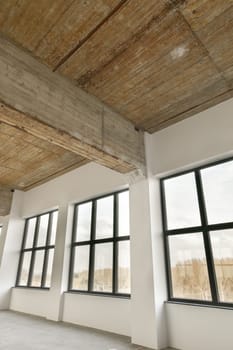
205,228
46,248
115,239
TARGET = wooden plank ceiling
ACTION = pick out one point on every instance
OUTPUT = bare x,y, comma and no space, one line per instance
26,161
154,61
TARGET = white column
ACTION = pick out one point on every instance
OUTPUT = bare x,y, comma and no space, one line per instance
60,274
142,290
10,244
160,283
147,266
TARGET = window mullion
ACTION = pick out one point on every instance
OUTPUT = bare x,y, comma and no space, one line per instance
74,230
33,251
92,247
46,253
22,253
206,237
115,245
166,237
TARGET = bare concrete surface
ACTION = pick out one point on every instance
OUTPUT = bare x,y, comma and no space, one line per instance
23,332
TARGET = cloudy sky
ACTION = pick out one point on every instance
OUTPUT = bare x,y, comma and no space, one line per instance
183,211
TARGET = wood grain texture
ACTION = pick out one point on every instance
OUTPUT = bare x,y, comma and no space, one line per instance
63,114
162,62
200,13
151,61
217,36
160,70
113,38
26,161
51,28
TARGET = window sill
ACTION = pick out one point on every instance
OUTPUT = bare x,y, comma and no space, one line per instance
204,305
100,294
34,288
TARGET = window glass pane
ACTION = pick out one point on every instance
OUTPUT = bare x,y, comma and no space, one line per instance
188,267
182,202
104,218
54,228
124,267
0,230
84,222
30,232
38,268
103,267
42,235
49,268
123,199
81,267
25,268
218,190
222,246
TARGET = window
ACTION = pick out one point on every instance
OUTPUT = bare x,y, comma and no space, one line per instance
0,230
36,258
198,230
100,253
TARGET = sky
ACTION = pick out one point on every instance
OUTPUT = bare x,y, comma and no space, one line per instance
183,210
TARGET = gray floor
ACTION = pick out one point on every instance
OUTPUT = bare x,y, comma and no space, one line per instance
22,332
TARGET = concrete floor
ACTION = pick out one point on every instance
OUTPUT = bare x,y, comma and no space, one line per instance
23,332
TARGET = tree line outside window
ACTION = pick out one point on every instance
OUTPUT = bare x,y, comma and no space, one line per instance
198,232
100,248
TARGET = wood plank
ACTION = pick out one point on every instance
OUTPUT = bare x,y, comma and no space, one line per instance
186,108
34,183
165,51
51,28
28,21
200,76
217,37
50,107
199,13
153,127
74,26
114,36
165,66
29,139
24,163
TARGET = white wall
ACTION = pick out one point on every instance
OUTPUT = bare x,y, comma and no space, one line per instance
143,306
194,141
30,301
206,136
10,244
117,315
110,314
80,184
86,182
202,328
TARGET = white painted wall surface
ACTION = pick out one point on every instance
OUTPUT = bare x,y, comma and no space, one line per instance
205,136
30,301
133,317
198,140
142,291
103,313
208,135
83,183
108,314
199,328
10,244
